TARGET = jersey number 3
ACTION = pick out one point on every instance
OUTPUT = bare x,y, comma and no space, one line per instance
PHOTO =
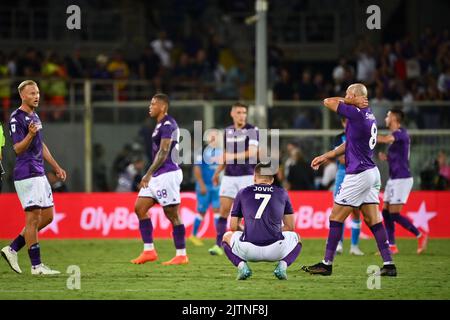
263,205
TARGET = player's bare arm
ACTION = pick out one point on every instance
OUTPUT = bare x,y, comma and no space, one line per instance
318,161
219,169
387,139
235,224
160,157
60,172
23,145
288,221
333,102
199,179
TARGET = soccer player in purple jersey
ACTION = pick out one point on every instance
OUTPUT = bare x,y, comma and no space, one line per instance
361,185
268,233
33,189
400,180
161,184
240,156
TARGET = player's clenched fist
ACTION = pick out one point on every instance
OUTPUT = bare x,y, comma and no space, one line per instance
33,128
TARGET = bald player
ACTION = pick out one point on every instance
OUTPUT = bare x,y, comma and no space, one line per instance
362,182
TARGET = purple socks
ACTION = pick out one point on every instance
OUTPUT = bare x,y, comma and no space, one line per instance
35,254
334,236
221,227
382,242
179,236
18,243
231,256
290,258
146,229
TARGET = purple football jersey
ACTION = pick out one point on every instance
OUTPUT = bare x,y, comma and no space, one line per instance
236,141
31,162
361,133
167,128
263,207
398,155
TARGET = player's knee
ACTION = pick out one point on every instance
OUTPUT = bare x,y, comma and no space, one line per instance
32,220
227,237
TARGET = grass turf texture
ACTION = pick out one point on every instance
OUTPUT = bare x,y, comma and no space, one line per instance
106,273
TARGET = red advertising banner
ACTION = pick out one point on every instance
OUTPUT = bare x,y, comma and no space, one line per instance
111,215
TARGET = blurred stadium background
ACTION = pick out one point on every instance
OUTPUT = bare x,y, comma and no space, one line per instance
97,81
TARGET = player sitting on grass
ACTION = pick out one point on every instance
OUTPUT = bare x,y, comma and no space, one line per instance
265,209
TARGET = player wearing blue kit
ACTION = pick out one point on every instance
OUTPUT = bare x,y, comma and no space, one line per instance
239,159
400,181
268,233
161,184
33,189
356,222
362,182
207,193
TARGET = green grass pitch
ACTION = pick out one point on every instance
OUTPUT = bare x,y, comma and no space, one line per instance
106,273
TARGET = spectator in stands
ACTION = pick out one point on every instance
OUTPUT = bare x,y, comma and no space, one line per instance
163,48
380,106
130,178
328,176
120,71
444,167
54,86
306,89
149,65
5,87
284,88
301,175
76,65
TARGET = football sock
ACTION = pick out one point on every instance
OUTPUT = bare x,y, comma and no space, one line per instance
179,234
18,243
197,222
356,230
149,247
35,254
290,258
231,256
390,226
334,235
146,229
382,242
221,227
405,223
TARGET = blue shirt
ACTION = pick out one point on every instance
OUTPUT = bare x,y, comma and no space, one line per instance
208,164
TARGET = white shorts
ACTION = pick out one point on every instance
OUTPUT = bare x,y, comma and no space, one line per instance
34,192
359,189
397,190
273,252
230,185
164,188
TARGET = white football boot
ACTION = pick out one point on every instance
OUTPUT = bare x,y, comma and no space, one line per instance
356,251
11,257
42,269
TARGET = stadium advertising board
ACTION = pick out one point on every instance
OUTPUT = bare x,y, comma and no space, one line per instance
107,215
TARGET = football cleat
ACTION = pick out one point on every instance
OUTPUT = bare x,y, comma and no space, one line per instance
388,270
11,257
244,272
196,241
356,251
146,256
422,242
43,269
319,268
280,271
177,260
216,250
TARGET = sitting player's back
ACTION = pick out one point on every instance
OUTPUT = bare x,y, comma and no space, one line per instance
263,207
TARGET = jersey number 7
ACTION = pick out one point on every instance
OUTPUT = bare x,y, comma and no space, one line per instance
263,205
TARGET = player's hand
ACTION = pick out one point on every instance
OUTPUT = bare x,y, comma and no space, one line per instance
203,189
318,161
215,179
361,102
33,128
61,173
382,156
145,181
